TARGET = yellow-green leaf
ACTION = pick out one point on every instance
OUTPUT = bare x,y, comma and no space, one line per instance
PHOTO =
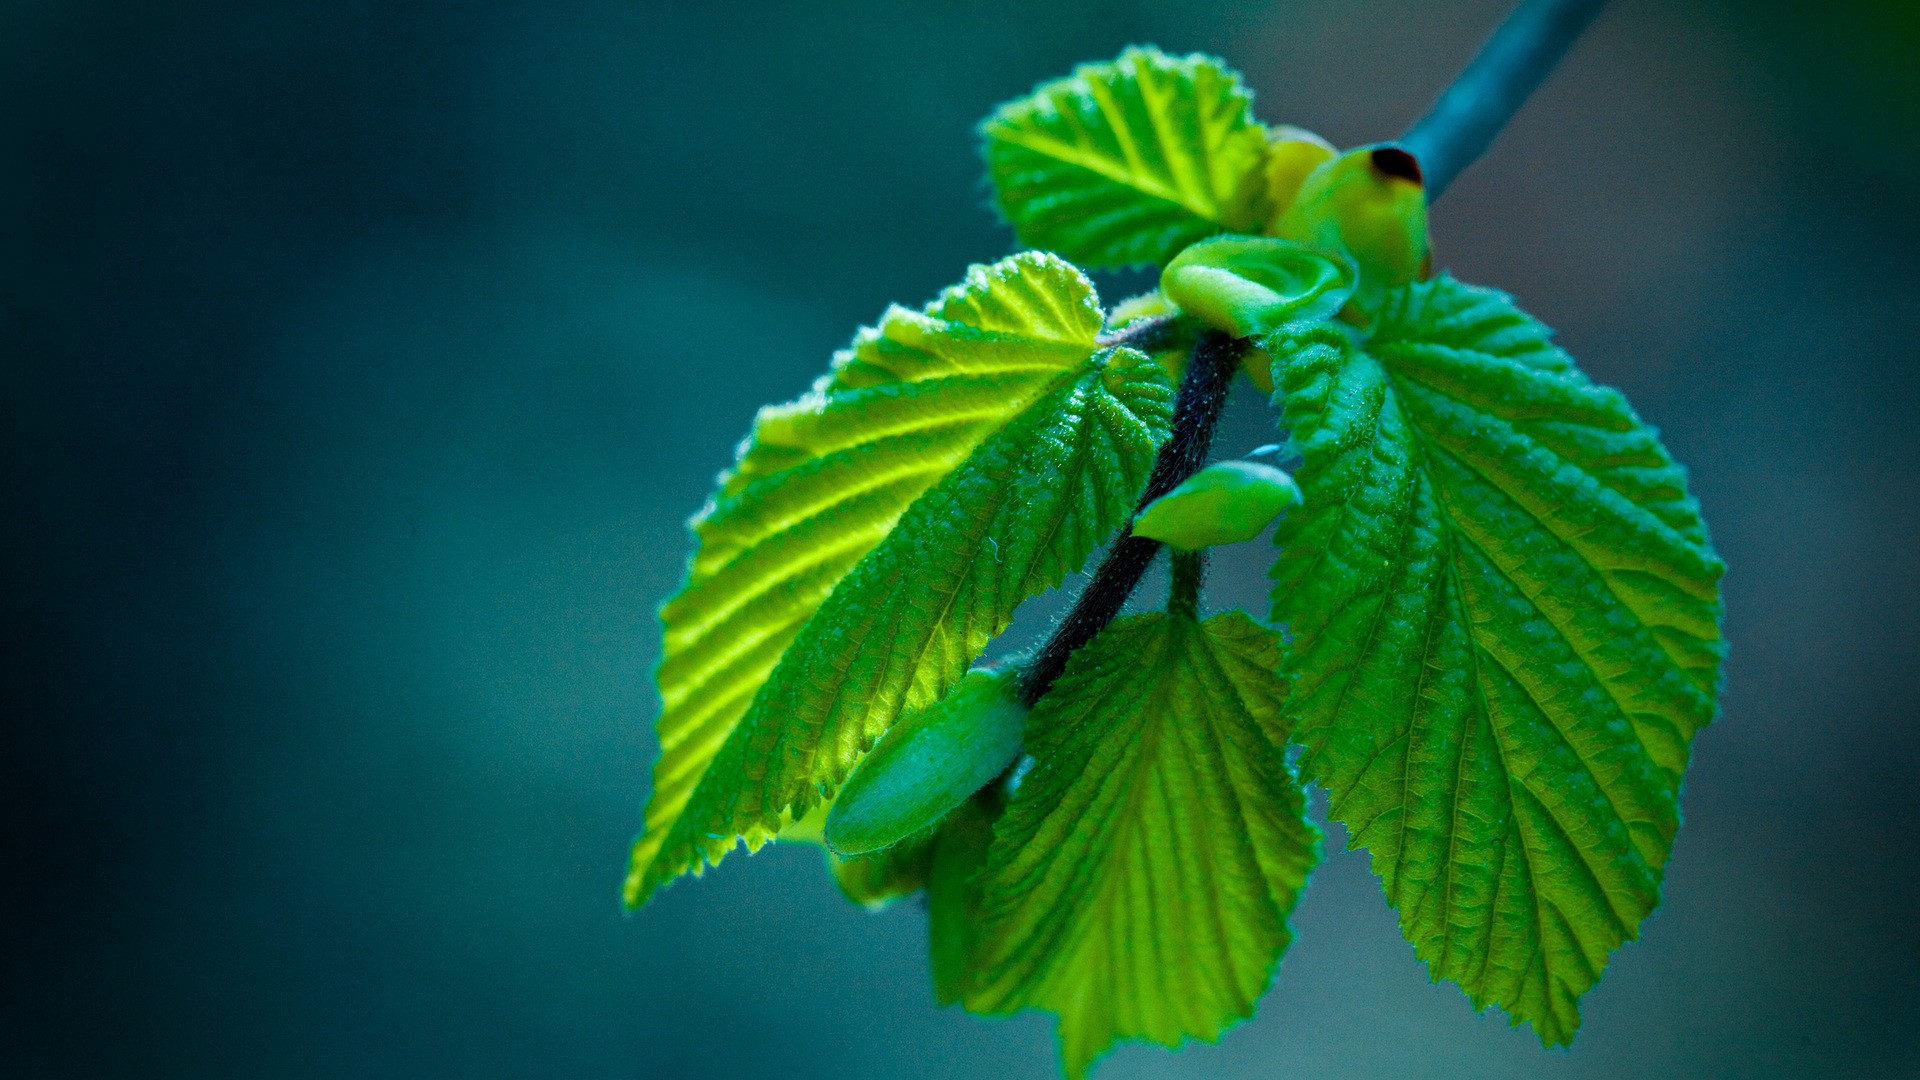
1125,163
1139,883
959,460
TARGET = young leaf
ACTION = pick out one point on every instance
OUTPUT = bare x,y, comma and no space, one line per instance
1125,163
1249,285
1140,881
1060,434
1504,614
822,480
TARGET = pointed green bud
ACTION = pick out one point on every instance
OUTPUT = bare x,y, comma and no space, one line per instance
1369,203
1292,153
1252,285
1224,503
929,763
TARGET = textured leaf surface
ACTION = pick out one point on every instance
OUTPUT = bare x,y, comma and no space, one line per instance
1504,612
1125,163
1140,881
1019,444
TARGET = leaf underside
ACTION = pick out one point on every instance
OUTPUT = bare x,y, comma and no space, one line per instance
1125,163
1504,610
1140,881
876,534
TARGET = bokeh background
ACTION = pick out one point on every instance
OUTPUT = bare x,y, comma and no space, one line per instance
360,363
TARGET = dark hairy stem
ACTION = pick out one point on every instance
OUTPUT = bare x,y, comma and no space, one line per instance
1510,67
1196,411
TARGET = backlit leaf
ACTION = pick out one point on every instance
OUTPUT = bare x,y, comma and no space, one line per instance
958,461
1125,163
1139,883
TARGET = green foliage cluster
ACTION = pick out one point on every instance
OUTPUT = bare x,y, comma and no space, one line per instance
1500,606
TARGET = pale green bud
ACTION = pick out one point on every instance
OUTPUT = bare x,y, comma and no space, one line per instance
1224,503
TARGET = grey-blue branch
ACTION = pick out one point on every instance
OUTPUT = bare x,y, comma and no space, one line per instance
1509,68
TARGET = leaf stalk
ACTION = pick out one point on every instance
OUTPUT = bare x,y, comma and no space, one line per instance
1189,576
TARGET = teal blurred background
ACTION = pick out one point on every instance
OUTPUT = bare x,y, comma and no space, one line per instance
360,363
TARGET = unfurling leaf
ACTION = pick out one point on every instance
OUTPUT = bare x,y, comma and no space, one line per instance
1224,503
929,763
959,461
1124,163
1504,611
1248,285
1139,883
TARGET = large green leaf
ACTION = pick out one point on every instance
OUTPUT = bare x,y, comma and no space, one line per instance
965,459
1125,163
1504,611
1140,881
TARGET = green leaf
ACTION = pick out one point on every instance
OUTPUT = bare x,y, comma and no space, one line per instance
1019,443
1504,612
1125,163
1140,882
1251,285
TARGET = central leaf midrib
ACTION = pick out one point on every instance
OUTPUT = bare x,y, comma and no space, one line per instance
1205,648
1093,161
